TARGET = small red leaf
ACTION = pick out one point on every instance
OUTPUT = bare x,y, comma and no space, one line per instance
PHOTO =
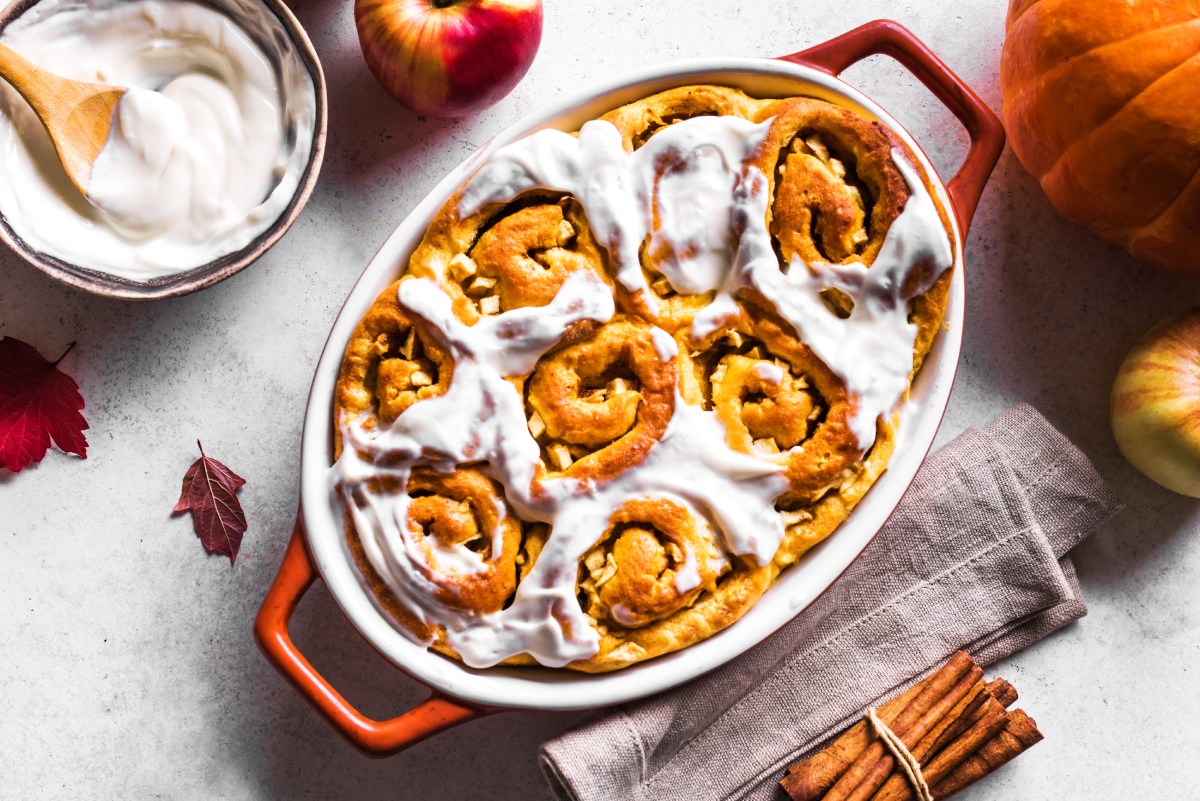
37,402
210,494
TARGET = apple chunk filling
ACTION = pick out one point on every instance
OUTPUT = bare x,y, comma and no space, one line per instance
612,402
767,403
407,371
598,403
523,257
820,208
655,559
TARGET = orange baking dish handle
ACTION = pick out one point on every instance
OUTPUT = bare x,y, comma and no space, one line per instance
887,38
375,737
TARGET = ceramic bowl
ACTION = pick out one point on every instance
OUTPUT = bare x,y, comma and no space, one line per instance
246,12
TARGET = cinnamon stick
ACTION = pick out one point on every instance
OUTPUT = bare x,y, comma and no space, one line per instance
875,764
1019,733
991,721
811,779
955,724
1003,692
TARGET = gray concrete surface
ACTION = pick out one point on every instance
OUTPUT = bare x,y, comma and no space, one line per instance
127,670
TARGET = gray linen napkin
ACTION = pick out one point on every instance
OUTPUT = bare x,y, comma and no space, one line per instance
973,558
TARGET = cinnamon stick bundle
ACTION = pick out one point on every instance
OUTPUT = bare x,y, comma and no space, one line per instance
954,724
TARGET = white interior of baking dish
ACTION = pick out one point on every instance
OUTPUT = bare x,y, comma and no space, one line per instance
796,588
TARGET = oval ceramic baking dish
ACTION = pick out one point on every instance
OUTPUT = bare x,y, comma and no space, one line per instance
460,692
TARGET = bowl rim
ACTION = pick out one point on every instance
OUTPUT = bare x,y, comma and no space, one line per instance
98,282
795,589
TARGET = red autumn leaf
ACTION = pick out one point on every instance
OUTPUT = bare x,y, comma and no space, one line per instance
37,402
210,494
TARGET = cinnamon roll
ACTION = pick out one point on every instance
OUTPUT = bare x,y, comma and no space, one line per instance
654,559
514,255
457,545
633,372
599,403
778,401
392,361
834,187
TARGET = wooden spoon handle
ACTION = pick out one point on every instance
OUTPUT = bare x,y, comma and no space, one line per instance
31,81
77,115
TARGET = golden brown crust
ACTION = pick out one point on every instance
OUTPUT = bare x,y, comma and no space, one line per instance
463,509
732,597
391,362
835,187
655,558
507,256
655,581
773,395
638,121
599,403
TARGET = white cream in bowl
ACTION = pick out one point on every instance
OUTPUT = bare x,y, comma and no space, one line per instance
207,148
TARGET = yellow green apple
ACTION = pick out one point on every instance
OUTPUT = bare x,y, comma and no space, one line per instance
1156,404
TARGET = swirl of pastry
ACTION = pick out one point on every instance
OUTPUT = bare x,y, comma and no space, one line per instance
835,188
640,120
456,533
523,258
597,404
466,539
391,362
508,256
778,401
655,558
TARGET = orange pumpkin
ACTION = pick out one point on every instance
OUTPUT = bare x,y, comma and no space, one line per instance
1102,106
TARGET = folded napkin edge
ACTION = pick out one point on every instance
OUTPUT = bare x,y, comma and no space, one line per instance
1067,494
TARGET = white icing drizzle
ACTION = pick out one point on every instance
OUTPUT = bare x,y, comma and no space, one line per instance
481,418
687,576
871,349
686,173
458,558
622,615
472,421
664,345
712,235
690,465
710,206
771,373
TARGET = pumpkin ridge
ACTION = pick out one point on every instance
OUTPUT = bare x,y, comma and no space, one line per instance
1010,23
1167,209
1122,40
1071,145
1101,99
1101,123
1125,38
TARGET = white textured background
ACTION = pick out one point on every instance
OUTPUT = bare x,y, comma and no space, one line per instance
127,668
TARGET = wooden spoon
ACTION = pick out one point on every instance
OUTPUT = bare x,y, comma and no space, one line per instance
77,115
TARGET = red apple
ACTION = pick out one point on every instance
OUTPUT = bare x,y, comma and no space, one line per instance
448,58
1156,404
